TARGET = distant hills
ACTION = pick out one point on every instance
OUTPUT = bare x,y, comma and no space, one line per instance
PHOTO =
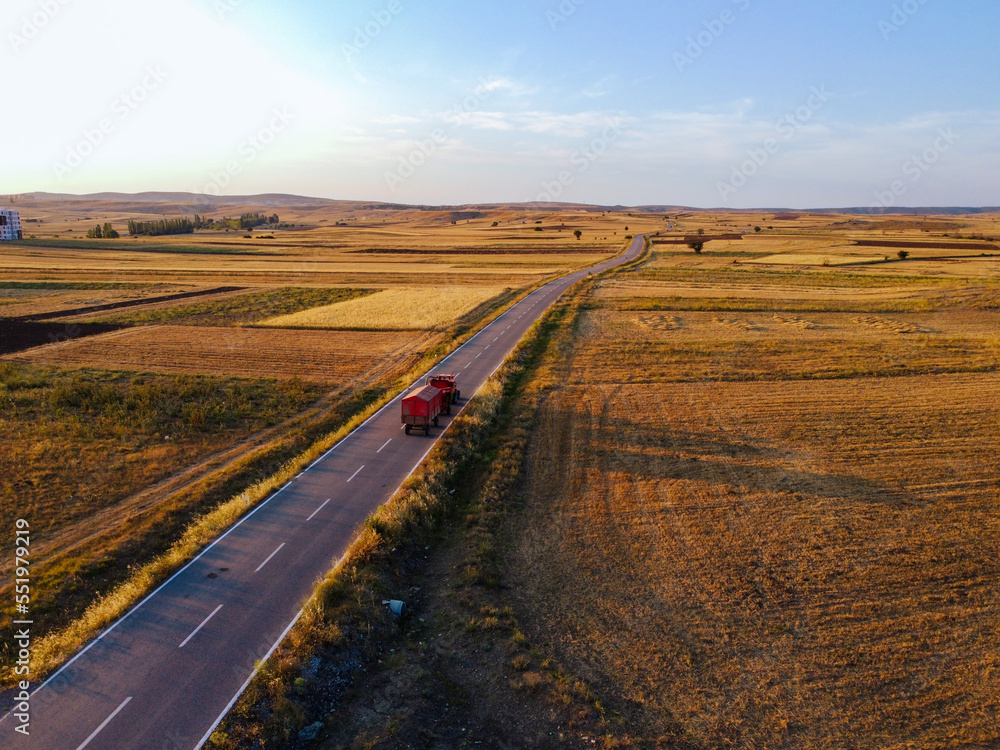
201,203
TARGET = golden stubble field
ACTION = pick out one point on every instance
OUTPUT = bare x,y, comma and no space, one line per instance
326,358
810,565
753,520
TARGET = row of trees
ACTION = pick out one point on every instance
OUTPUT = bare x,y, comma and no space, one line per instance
183,226
244,222
107,232
159,228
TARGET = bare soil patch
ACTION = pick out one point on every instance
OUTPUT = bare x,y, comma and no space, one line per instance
16,336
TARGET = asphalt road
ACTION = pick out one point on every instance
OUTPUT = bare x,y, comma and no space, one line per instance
163,676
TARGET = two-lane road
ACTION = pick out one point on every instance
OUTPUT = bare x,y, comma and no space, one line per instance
166,673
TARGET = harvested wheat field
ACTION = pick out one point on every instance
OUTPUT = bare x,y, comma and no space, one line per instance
766,515
326,357
397,309
780,565
34,300
651,347
751,289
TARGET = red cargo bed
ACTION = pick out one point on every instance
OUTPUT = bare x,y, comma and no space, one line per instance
422,408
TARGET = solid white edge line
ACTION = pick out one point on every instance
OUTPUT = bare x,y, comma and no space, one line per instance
319,509
386,443
163,585
256,669
104,723
426,454
406,390
203,624
271,555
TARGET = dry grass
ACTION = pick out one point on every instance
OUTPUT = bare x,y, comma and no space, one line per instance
316,356
52,649
634,347
740,533
748,565
246,307
53,298
401,309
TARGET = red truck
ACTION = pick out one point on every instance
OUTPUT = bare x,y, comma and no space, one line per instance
447,384
422,408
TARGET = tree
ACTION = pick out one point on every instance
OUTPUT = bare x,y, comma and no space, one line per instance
757,230
110,233
903,254
157,228
578,234
95,233
696,246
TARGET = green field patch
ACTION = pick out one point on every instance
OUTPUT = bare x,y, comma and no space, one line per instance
127,246
245,309
76,443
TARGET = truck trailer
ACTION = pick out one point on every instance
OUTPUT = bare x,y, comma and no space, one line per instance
422,408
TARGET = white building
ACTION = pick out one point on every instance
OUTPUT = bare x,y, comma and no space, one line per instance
10,225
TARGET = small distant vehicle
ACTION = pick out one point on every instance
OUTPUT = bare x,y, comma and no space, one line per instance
422,408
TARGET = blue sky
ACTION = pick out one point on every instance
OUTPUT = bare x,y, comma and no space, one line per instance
737,103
